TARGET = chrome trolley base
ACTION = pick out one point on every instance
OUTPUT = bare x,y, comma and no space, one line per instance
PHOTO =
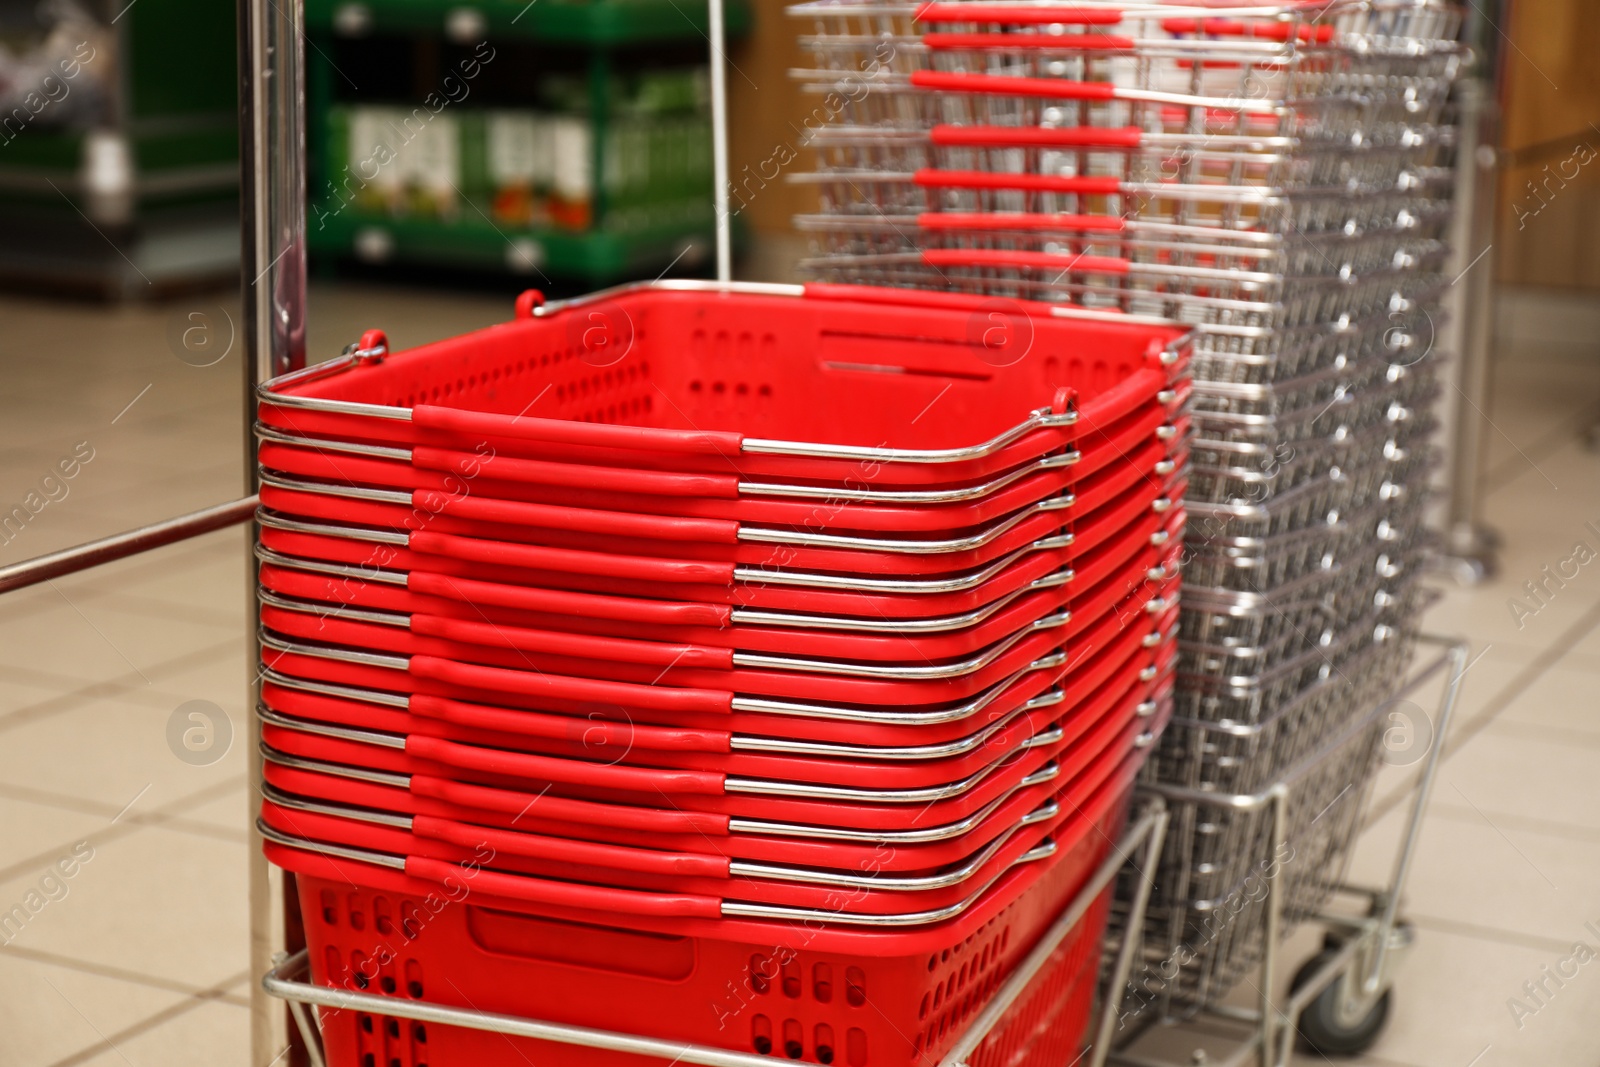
1345,986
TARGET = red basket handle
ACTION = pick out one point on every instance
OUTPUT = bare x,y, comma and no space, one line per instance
1262,30
529,683
582,646
566,771
483,424
1066,262
950,81
563,602
566,850
591,733
1020,220
592,898
1021,15
546,558
585,520
1084,42
567,809
934,178
1036,136
577,475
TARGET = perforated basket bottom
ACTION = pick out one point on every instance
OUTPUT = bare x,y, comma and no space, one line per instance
794,1000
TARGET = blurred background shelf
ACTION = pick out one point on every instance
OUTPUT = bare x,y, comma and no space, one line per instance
567,142
118,163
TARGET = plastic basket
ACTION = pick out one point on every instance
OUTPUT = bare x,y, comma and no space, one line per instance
684,377
821,991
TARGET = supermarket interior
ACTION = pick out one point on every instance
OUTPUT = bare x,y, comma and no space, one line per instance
970,533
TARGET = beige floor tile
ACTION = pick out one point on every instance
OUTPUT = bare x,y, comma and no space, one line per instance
112,750
56,633
1528,778
1450,1005
1562,705
198,1037
1473,870
157,902
49,1013
34,834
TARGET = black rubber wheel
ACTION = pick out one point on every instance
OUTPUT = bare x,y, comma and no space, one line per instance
1320,1027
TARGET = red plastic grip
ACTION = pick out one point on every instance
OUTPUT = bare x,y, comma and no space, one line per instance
582,646
591,733
595,898
571,772
584,520
456,421
1020,220
566,809
1020,15
932,178
546,558
565,850
576,475
1065,262
1096,42
948,81
1036,137
1266,31
564,602
557,686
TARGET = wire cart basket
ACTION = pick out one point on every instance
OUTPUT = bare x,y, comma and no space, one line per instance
1277,176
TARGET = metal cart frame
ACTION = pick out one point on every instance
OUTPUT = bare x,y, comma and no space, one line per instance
271,64
1368,946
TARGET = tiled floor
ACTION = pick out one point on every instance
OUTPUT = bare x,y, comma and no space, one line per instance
138,957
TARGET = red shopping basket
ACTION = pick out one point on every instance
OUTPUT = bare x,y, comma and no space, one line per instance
862,890
821,991
342,590
674,828
843,383
635,534
675,662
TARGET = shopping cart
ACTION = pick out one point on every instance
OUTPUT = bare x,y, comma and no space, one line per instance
1275,176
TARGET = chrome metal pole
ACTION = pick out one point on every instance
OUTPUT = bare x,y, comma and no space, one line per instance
1100,1047
719,142
1419,807
273,281
1469,546
1273,930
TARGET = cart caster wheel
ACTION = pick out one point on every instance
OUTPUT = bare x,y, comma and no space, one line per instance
1325,1026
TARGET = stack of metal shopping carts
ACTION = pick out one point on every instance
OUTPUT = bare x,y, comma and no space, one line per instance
1273,174
748,667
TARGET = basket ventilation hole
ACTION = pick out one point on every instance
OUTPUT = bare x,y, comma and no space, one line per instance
392,1027
793,1045
760,974
358,969
414,979
791,980
358,918
387,983
330,908
855,987
855,1047
394,1061
368,1060
824,1043
419,1033
366,1024
822,983
761,1034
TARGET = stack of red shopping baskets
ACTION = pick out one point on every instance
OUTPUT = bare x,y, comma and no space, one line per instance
759,667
